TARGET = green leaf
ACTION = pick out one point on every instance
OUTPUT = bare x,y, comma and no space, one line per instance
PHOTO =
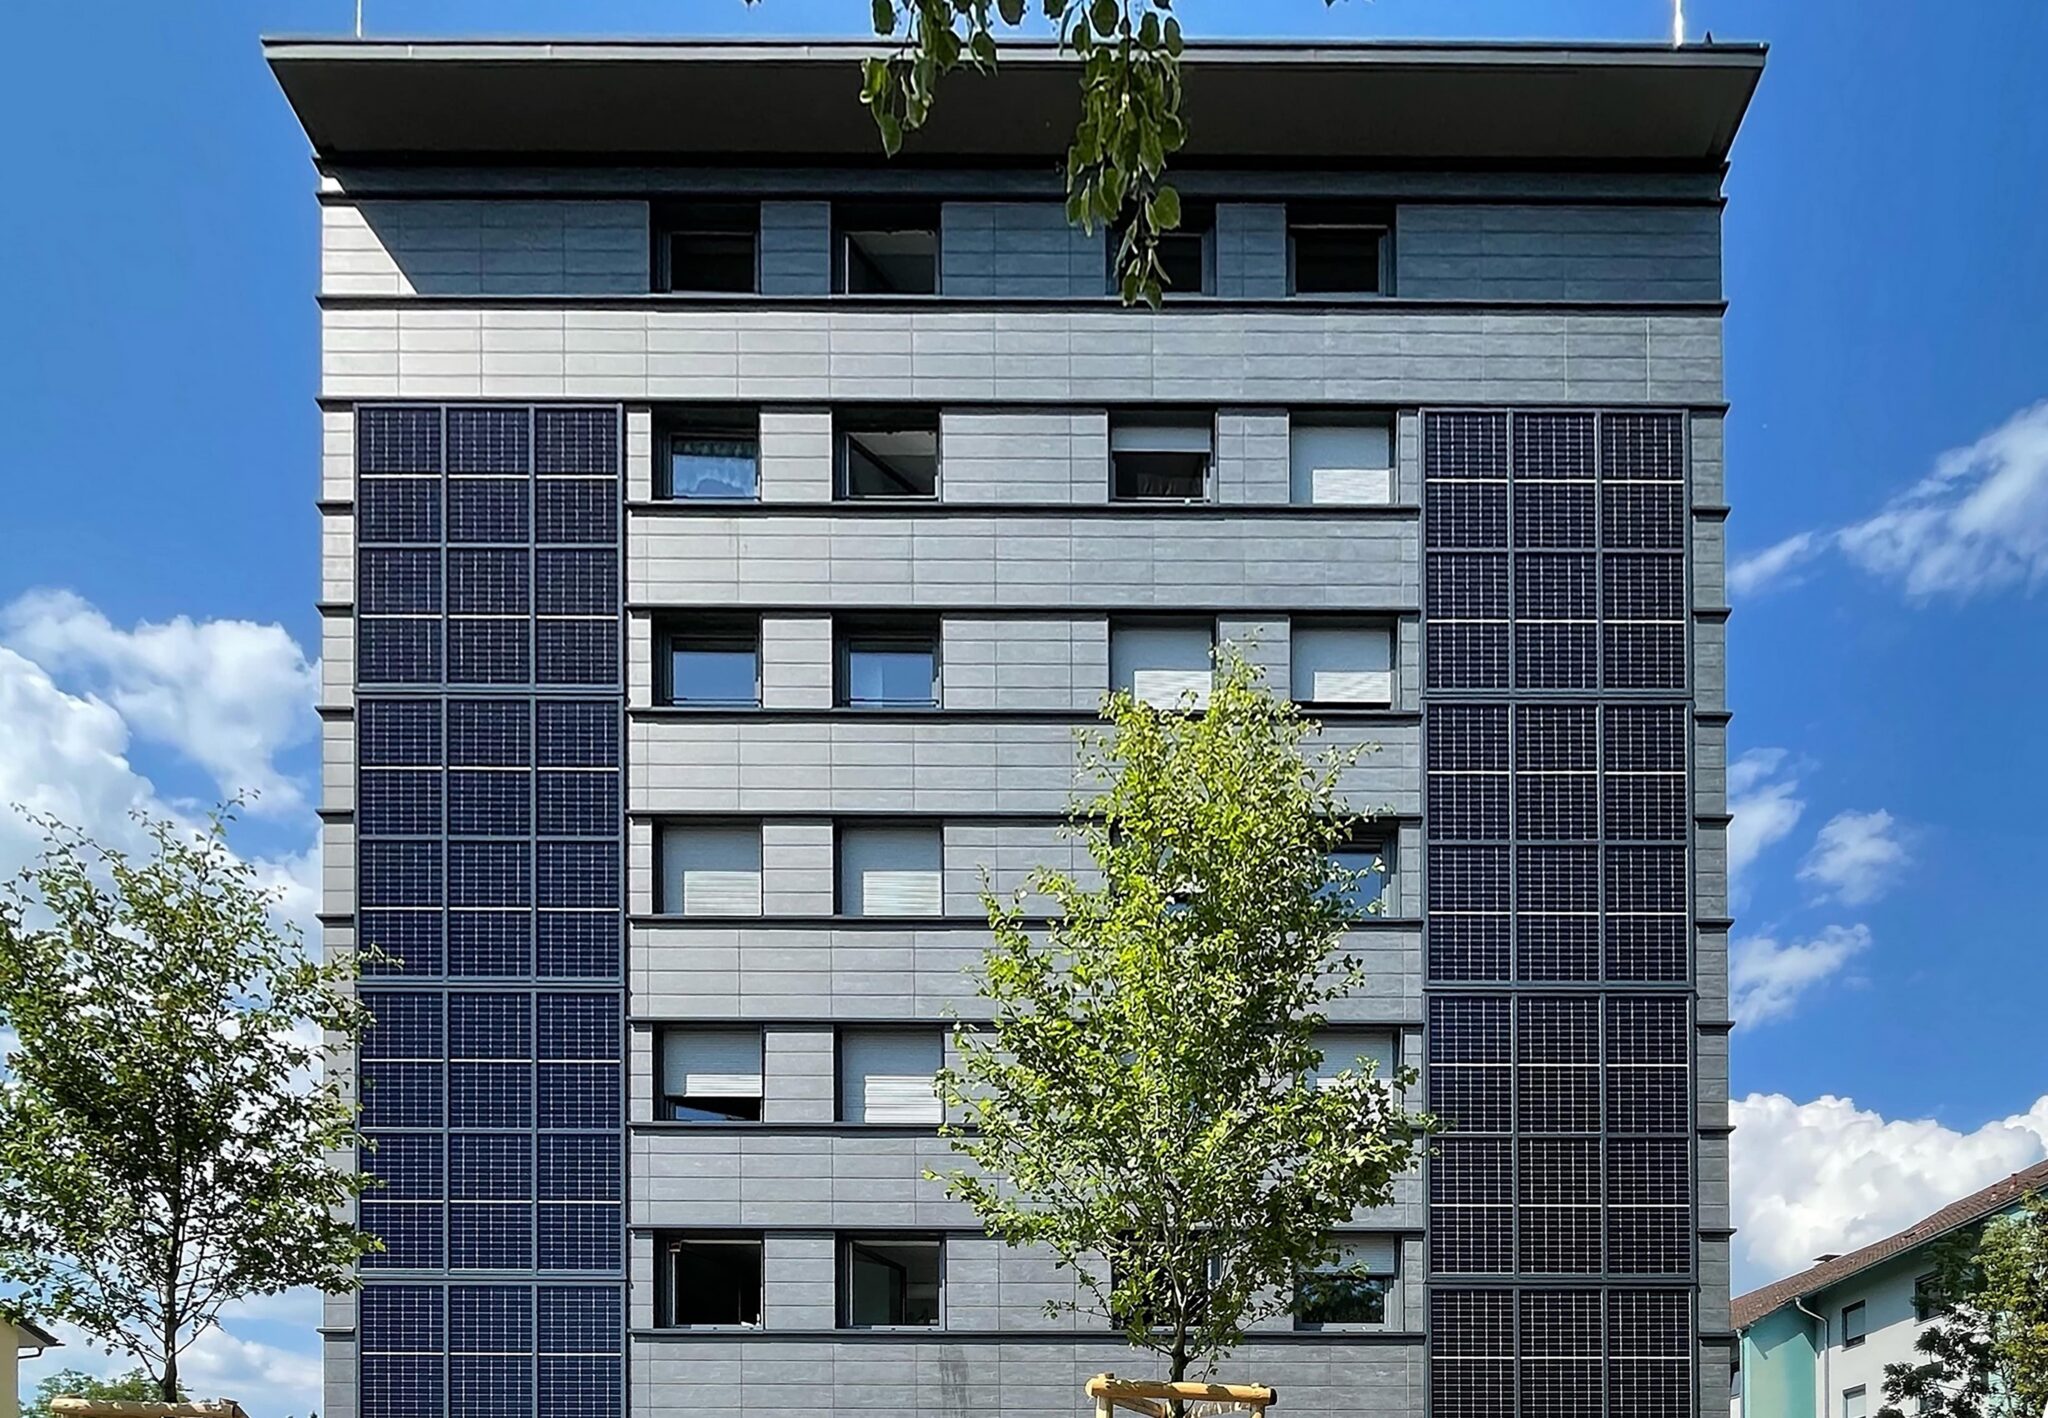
984,46
1164,209
1103,15
1174,43
1148,30
891,129
884,16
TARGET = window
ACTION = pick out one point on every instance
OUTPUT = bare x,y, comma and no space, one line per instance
885,250
1160,458
1354,1049
711,1075
1853,1326
1340,462
712,1280
885,1076
889,453
1341,662
1926,1296
1353,1290
1373,863
1855,1402
890,1282
710,454
1337,251
715,663
1167,664
1187,254
710,869
888,663
708,247
890,870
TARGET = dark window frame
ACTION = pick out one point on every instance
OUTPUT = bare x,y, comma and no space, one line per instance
1342,218
853,633
843,1249
857,219
671,1244
726,631
711,219
848,426
1850,1341
668,1098
726,423
840,881
1925,1303
839,1074
1197,221
1162,419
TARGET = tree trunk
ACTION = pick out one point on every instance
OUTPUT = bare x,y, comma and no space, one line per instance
1177,1369
167,1386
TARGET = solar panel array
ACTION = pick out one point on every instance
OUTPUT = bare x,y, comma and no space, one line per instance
1558,941
489,883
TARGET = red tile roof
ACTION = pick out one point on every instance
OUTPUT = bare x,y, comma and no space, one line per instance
1975,1207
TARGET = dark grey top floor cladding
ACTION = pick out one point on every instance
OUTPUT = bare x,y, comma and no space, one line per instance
1589,105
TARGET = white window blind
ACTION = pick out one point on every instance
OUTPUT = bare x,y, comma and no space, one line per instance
1341,464
1372,1255
1351,1048
1146,436
711,870
1342,664
711,1063
885,1075
1160,664
890,871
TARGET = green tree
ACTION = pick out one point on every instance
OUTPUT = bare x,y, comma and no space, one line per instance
1130,123
1143,1103
163,1124
1984,1352
76,1383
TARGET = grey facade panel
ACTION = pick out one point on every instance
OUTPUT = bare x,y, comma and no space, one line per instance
1557,252
1019,250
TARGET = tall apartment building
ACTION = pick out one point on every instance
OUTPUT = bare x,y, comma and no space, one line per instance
726,532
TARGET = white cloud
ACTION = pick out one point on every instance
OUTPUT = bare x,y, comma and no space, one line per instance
228,694
265,1356
1760,570
1763,803
1767,978
1856,857
1978,523
1828,1176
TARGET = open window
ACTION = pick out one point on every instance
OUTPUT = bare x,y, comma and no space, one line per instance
890,869
887,662
709,454
885,248
710,869
708,247
885,1076
888,453
890,1282
711,1075
1350,1291
713,662
1161,457
1341,662
1340,460
1338,249
710,1280
1168,664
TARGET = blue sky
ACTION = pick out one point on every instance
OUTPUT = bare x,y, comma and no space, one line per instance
1888,291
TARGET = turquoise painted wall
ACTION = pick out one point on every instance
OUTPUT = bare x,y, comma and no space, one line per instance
1778,1366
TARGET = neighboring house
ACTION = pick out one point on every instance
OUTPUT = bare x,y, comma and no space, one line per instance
725,532
1815,1344
19,1339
